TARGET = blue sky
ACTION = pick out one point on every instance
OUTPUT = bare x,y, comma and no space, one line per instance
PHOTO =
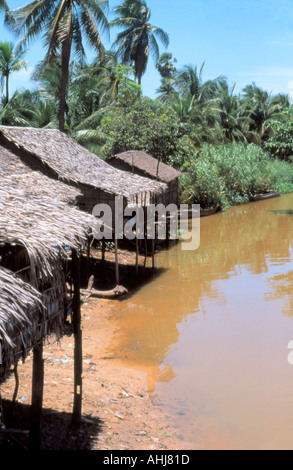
244,40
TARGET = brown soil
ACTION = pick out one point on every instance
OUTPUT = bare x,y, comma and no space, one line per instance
118,412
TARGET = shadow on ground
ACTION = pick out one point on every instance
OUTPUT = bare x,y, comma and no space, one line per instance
58,432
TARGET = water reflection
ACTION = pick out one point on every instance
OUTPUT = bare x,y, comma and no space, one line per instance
213,331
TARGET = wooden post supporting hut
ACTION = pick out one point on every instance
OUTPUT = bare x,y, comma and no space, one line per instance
35,434
76,317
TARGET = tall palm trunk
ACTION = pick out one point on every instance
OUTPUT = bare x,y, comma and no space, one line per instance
66,50
7,89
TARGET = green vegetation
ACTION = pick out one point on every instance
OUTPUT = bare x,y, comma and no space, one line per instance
10,61
229,174
229,146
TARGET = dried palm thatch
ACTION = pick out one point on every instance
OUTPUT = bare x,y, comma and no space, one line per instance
72,163
135,160
44,227
19,307
34,184
15,174
36,238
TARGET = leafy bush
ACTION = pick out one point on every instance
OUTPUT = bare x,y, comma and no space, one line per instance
280,144
144,125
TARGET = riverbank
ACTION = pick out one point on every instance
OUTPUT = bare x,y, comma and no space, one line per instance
118,412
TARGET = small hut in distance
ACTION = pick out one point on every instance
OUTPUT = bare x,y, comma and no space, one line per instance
143,164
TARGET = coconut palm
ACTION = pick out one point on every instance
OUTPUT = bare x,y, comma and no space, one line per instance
234,116
165,65
262,107
18,112
138,38
189,81
11,60
3,5
166,91
62,23
100,77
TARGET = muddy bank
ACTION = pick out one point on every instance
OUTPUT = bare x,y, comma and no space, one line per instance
118,412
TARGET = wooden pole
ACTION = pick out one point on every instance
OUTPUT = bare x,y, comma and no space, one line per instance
153,254
37,398
15,393
136,258
88,254
136,241
77,401
103,249
116,263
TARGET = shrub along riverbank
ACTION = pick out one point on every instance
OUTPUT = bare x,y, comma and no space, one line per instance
230,174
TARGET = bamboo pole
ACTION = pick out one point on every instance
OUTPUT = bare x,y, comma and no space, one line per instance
37,398
77,402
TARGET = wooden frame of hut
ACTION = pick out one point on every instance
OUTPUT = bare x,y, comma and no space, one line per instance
40,243
145,165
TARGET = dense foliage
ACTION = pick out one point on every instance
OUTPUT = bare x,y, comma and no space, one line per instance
228,146
230,174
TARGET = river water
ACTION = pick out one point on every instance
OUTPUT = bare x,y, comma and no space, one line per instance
212,330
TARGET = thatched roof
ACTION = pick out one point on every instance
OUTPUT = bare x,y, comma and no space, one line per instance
15,174
150,166
46,228
19,307
71,162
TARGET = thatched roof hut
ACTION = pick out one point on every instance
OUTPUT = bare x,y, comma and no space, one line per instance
37,236
60,157
143,164
40,244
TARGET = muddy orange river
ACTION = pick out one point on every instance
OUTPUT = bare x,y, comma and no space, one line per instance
212,332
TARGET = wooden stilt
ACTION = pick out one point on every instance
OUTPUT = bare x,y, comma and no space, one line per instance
137,241
88,253
37,398
103,249
77,402
137,249
168,232
16,377
116,263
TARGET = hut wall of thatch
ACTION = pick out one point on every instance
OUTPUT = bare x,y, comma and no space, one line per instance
144,165
20,305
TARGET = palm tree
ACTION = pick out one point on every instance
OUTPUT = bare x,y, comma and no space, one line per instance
101,77
138,38
10,61
18,112
234,116
165,65
3,5
62,24
262,107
